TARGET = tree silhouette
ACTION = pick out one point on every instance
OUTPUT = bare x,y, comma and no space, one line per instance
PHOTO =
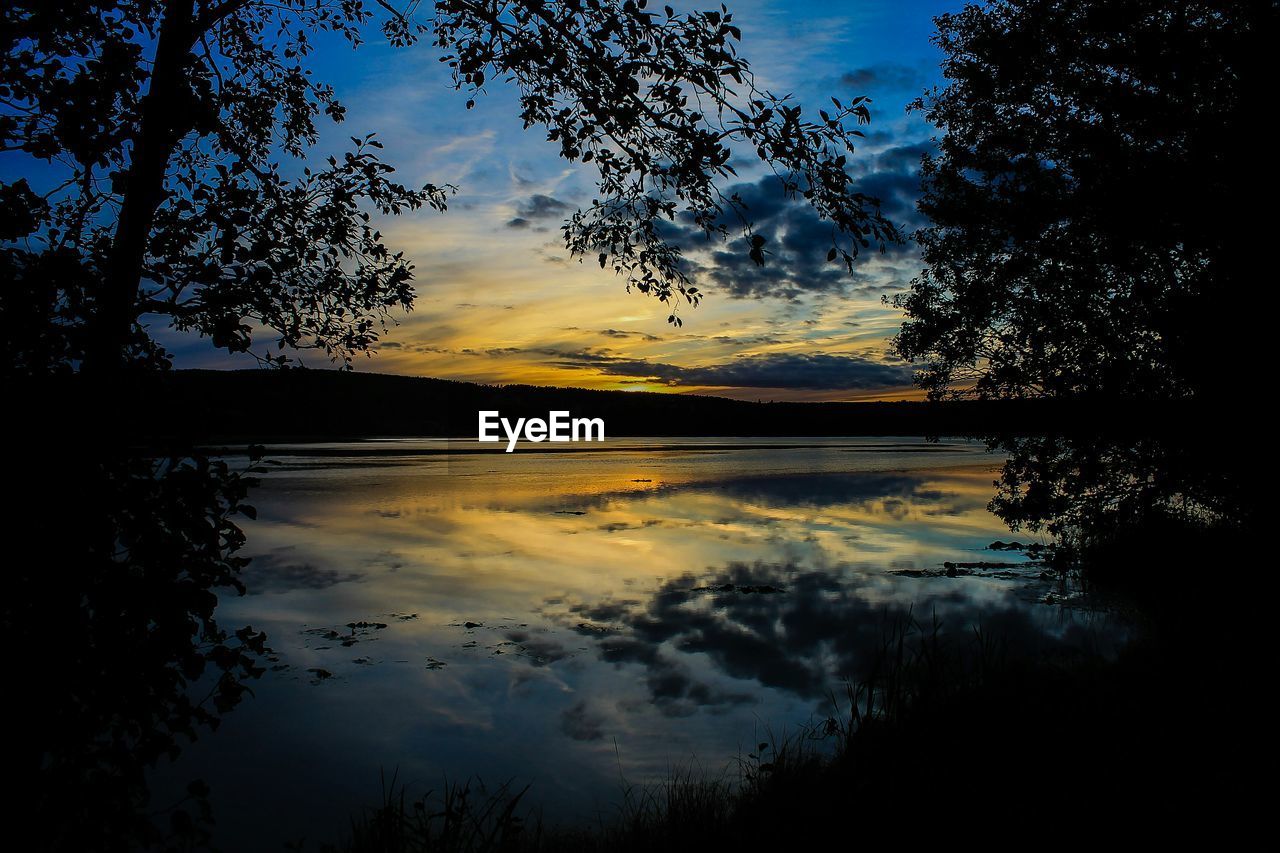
1082,236
175,124
115,576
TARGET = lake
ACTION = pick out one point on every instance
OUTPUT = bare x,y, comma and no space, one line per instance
576,621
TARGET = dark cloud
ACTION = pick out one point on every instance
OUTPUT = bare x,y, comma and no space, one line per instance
815,371
604,611
540,650
673,689
797,240
539,206
882,76
779,640
619,333
904,158
898,193
801,371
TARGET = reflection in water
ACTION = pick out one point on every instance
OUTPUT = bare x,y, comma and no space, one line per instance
120,661
1092,487
564,619
1146,516
779,627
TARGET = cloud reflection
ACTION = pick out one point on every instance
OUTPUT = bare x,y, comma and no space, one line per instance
562,617
779,626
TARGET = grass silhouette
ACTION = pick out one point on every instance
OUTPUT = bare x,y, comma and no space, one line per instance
943,732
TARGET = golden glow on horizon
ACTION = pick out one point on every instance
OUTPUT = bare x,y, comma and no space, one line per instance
530,316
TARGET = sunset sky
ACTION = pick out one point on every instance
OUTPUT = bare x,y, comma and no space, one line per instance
499,299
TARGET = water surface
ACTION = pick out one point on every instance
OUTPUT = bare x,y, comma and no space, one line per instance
570,620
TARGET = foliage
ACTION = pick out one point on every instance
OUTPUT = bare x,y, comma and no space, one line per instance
181,134
168,120
657,100
1080,237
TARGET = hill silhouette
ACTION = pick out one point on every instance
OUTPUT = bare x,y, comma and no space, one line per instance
301,405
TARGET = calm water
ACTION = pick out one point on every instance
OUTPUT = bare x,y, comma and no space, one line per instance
571,620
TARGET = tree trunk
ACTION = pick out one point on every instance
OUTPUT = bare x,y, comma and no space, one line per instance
158,134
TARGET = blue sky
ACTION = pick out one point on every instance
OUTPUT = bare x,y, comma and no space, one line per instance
499,300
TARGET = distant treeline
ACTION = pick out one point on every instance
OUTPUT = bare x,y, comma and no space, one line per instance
275,405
